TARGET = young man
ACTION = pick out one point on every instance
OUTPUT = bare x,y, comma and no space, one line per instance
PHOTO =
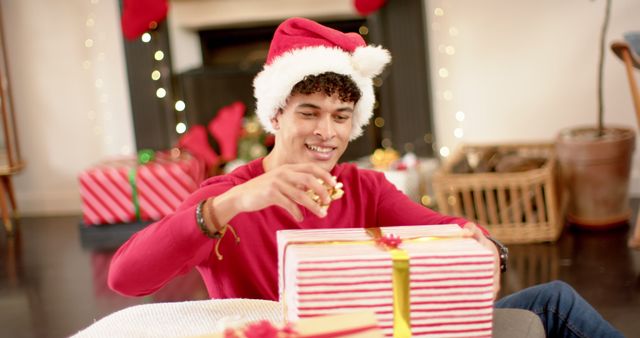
315,94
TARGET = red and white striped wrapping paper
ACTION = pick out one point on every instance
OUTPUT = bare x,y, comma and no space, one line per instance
451,280
162,185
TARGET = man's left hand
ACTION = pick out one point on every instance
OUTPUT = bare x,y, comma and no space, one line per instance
475,232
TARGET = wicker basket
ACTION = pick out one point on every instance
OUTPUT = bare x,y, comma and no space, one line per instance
520,207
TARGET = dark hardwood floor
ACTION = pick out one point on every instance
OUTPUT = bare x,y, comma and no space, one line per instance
52,286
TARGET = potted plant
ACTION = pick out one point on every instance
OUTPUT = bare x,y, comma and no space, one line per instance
595,163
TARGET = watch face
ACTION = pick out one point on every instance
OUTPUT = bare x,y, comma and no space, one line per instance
504,256
503,252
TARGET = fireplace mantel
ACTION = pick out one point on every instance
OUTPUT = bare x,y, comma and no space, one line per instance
198,15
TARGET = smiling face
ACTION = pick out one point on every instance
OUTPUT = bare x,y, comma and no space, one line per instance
311,128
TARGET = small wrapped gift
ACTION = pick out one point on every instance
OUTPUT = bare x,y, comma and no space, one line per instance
425,281
145,188
350,325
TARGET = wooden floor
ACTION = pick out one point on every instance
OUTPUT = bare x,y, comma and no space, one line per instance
52,286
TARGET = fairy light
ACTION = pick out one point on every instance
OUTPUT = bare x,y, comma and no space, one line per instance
378,122
146,37
155,75
426,200
161,93
444,151
181,127
450,50
158,55
180,105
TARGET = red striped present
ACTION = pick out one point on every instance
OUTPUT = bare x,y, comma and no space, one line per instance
332,271
122,190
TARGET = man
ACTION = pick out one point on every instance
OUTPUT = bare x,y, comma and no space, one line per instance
315,94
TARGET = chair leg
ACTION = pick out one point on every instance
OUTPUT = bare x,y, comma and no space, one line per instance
635,93
634,241
8,186
6,218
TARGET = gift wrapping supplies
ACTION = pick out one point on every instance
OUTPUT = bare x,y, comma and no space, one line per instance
421,281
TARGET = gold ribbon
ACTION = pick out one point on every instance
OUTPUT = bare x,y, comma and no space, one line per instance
400,279
400,274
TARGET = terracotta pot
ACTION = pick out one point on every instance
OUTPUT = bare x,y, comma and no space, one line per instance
595,173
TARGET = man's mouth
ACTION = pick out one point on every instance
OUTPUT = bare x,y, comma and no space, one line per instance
320,149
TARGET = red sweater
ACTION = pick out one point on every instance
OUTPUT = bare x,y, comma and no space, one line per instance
174,245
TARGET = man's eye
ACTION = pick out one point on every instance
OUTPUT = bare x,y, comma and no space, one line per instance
341,118
307,114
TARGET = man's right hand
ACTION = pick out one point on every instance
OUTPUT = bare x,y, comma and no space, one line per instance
286,186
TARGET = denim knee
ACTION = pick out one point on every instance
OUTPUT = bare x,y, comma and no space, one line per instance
557,291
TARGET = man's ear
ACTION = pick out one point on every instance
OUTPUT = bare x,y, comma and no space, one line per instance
275,120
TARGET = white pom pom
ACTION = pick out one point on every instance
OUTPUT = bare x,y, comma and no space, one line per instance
369,61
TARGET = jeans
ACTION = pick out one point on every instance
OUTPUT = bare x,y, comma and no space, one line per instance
564,313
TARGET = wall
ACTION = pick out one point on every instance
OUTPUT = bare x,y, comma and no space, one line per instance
69,113
521,71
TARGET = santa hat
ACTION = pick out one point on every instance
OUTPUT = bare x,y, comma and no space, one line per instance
302,47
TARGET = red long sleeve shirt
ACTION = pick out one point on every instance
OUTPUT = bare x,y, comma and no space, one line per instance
174,245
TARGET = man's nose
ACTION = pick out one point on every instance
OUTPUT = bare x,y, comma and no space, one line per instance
325,128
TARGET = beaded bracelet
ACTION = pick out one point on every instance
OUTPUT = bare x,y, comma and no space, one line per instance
215,235
203,225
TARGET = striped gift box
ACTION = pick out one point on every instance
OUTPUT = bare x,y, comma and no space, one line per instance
111,190
332,271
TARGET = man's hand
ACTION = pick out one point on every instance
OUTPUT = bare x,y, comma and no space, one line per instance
475,232
286,186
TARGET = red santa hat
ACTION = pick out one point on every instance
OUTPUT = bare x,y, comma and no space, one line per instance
302,47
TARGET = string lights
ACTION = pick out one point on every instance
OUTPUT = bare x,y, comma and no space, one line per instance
95,64
444,74
160,76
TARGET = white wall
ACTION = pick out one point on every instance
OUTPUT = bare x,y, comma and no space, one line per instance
66,120
521,71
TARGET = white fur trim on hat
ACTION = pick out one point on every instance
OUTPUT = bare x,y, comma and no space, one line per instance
273,84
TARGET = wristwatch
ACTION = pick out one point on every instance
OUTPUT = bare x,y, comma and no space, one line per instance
503,252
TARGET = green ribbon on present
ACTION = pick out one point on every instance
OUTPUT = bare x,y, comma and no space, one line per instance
144,156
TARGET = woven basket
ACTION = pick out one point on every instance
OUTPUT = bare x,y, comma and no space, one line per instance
520,207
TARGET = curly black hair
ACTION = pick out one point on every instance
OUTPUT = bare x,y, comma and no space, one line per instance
329,83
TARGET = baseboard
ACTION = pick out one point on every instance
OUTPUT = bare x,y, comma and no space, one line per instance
49,203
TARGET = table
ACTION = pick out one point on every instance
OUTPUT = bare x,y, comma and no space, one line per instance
196,318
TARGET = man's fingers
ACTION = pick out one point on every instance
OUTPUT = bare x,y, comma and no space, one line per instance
311,185
302,197
475,231
291,207
318,172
